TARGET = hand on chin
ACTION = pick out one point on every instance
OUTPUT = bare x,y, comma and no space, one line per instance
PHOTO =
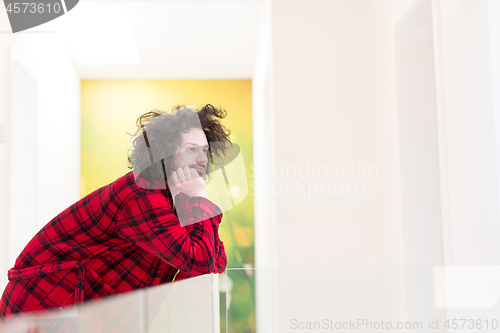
173,190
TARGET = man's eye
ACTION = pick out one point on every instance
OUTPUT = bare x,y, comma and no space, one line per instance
190,149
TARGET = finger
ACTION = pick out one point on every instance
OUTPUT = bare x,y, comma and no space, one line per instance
187,172
194,173
174,178
181,175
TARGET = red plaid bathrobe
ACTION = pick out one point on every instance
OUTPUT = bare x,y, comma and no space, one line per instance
118,238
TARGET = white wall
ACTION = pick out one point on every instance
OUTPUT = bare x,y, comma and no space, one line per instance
4,93
418,138
335,106
58,131
494,23
263,161
22,156
470,131
420,164
335,103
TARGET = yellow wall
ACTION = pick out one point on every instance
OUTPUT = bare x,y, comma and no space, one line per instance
110,109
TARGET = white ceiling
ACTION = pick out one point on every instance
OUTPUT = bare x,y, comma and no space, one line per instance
172,39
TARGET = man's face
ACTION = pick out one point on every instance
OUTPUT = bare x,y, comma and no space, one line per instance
193,151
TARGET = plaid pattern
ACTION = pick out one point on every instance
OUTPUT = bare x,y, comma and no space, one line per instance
123,236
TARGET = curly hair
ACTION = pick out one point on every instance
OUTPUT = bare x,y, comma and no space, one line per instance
159,131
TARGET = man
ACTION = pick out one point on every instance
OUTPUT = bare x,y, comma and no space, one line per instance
128,234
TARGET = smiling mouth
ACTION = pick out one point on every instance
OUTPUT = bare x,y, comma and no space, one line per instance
199,169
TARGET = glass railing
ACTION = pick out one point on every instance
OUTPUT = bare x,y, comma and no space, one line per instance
354,299
363,299
183,306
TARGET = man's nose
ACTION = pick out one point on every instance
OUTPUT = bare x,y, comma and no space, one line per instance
202,158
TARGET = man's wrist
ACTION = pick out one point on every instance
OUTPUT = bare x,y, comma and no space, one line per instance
174,192
200,194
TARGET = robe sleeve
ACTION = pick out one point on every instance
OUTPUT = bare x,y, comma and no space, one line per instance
221,259
190,244
182,204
